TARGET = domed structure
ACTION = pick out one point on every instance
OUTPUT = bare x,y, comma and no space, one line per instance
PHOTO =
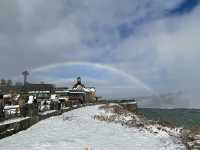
78,85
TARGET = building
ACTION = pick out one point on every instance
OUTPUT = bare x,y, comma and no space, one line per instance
39,87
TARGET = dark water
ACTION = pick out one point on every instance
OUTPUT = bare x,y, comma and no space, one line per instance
180,117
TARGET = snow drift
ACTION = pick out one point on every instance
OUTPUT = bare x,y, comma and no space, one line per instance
75,129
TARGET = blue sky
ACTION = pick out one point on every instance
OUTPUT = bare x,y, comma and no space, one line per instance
185,7
153,41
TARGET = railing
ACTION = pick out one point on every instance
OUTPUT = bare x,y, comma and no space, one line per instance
14,111
11,111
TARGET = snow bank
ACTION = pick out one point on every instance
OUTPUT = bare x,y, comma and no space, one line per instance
13,121
75,129
11,107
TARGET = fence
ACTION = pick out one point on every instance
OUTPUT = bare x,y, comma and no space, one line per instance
11,111
14,111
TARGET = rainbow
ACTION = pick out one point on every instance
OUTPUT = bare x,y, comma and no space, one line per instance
110,68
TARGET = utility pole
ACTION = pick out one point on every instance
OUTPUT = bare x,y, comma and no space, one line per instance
25,74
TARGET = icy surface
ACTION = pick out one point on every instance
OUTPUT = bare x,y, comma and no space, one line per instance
75,129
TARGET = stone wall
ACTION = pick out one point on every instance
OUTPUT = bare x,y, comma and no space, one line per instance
8,129
11,127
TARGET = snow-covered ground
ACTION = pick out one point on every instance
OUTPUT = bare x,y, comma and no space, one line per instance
75,129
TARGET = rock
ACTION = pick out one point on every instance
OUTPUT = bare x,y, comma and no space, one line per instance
139,124
131,123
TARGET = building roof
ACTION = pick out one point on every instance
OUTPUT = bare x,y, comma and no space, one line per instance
39,87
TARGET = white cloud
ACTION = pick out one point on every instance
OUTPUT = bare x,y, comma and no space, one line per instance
87,28
161,51
64,35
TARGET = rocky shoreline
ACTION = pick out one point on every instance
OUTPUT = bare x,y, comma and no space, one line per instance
191,138
117,114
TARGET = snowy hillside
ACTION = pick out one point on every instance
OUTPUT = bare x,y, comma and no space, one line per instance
75,129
